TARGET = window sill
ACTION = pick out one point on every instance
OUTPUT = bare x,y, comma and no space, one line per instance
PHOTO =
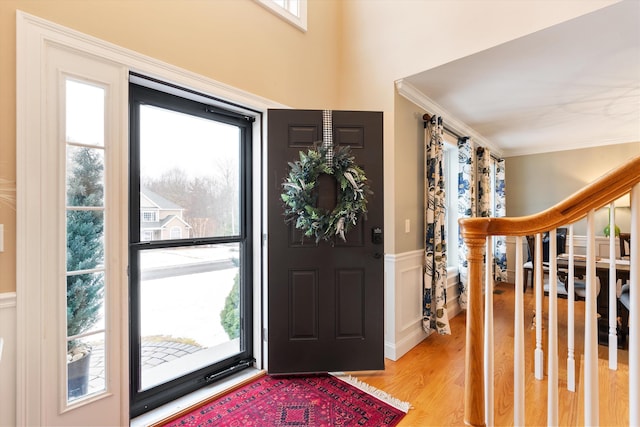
157,415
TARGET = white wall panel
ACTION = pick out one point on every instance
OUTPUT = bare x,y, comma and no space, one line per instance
8,359
403,302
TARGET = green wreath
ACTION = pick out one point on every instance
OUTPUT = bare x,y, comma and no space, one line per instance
300,193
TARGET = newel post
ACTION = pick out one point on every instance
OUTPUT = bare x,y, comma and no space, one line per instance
474,362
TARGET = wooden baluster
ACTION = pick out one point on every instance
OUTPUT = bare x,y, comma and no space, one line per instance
552,357
488,334
571,360
634,316
474,381
518,343
539,288
613,297
591,417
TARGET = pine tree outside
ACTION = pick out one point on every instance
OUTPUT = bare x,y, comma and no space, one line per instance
85,224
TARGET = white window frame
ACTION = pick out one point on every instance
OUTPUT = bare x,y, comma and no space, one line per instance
43,68
299,21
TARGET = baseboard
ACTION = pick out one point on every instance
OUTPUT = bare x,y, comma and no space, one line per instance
395,350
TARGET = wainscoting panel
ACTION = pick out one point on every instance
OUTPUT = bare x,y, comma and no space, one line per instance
410,299
8,359
403,302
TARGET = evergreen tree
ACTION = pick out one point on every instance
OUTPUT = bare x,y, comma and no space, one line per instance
230,315
85,242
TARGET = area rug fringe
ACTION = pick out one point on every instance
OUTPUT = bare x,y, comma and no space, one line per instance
380,394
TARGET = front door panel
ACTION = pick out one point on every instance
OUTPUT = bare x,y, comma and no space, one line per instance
326,299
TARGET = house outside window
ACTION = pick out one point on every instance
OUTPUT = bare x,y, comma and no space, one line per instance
175,233
150,216
162,218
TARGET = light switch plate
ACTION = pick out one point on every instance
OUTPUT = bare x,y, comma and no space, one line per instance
1,237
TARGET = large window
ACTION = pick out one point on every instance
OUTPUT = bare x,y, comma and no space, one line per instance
191,282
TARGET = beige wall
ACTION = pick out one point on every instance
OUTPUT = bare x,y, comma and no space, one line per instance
349,59
538,181
386,40
236,42
409,167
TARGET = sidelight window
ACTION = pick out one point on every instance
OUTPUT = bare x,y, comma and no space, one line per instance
85,230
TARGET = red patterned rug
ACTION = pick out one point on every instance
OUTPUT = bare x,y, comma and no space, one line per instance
319,400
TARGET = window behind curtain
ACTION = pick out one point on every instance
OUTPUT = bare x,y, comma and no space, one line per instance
451,182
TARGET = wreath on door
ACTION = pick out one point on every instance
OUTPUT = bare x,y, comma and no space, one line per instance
300,194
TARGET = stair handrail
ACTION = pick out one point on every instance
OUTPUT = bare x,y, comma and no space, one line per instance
611,186
606,189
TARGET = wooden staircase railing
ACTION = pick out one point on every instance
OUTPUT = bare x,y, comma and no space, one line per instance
582,204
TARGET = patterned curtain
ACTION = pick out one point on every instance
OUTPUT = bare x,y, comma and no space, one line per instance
466,207
434,309
479,197
500,251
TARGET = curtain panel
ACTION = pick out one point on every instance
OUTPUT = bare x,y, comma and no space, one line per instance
481,193
500,246
434,308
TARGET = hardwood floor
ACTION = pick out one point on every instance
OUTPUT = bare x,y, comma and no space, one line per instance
431,375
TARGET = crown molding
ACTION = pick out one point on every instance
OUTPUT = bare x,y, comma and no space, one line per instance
410,92
525,151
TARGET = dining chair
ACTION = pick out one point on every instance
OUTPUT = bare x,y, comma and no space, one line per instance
561,247
528,265
625,244
625,303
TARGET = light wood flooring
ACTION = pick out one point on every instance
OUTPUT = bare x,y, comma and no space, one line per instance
431,375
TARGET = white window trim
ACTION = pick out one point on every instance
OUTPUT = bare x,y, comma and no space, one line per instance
300,22
41,318
33,35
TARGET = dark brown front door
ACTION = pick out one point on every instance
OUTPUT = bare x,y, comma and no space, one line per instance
325,301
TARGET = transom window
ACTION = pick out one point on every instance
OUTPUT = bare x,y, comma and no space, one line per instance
292,11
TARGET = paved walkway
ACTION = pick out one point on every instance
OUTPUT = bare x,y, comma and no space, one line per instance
154,353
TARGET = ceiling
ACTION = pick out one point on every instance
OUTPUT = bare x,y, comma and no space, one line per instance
573,85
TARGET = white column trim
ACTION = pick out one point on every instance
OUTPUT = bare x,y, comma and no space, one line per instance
8,358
